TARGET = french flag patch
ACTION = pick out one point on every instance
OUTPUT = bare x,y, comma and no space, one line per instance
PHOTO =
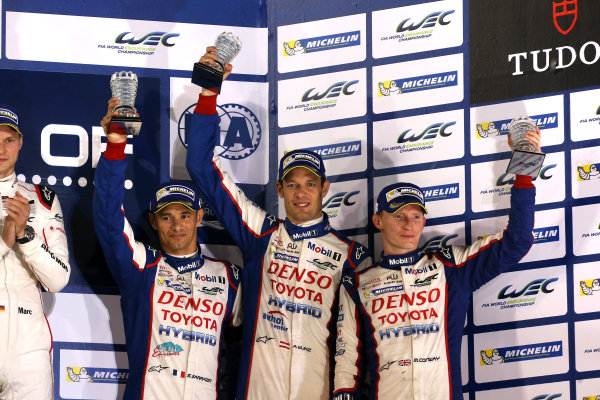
181,374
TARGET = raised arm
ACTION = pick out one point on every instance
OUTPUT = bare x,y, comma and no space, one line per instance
243,219
125,257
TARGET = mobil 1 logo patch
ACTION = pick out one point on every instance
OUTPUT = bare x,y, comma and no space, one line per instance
239,127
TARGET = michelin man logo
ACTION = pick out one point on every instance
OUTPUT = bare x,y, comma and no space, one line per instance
82,376
589,290
496,358
592,173
240,130
490,131
392,89
297,49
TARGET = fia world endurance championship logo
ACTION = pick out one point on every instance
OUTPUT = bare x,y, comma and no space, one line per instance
239,127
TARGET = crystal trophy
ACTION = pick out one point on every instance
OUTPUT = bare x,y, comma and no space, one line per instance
124,85
211,76
526,160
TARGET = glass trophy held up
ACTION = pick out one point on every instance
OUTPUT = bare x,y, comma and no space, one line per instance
526,160
124,85
211,76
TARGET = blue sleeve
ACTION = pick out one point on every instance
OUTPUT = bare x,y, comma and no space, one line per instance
126,258
244,220
489,257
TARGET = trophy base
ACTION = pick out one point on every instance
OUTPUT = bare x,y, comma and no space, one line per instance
125,125
525,163
207,77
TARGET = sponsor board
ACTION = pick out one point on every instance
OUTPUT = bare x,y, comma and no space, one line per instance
585,172
586,229
321,43
586,287
78,317
343,149
322,97
490,184
549,233
489,124
243,145
432,237
587,348
419,139
547,391
585,115
345,204
92,374
122,42
413,29
588,389
562,53
419,83
521,353
443,188
522,295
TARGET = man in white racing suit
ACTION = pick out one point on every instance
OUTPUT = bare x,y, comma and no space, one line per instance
34,252
292,267
401,320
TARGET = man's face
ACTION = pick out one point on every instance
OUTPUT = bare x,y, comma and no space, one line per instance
302,195
10,144
176,226
400,231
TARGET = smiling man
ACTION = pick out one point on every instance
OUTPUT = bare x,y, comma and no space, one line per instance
176,302
401,320
292,267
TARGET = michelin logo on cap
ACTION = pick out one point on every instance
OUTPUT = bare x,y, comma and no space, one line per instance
9,114
392,194
173,190
301,156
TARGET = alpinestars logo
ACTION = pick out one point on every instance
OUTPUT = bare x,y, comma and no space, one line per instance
564,14
240,130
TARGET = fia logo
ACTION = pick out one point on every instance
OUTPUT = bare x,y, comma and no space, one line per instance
240,130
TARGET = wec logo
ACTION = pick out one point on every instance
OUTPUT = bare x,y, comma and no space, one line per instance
543,175
150,39
339,199
429,21
531,289
342,87
428,133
